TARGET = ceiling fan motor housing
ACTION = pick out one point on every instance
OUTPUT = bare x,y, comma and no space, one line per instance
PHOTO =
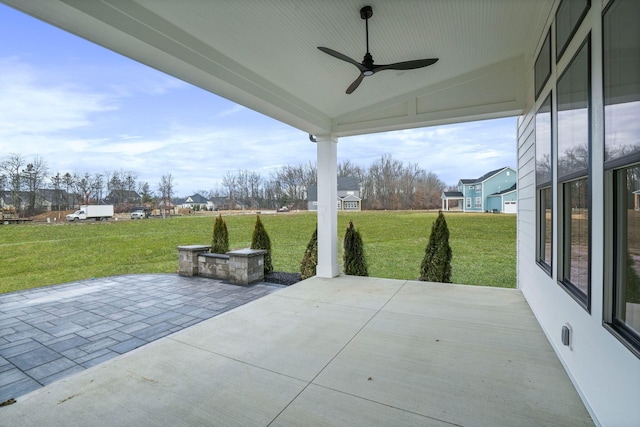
366,12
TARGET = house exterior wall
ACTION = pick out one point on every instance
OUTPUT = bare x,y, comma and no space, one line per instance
496,202
471,192
604,371
500,181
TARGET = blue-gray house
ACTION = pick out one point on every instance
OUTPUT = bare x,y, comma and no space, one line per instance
494,191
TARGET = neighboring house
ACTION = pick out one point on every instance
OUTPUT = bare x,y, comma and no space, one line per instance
197,202
494,191
348,195
50,200
46,200
6,200
224,204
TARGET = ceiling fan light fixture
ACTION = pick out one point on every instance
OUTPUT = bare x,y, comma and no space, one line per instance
367,67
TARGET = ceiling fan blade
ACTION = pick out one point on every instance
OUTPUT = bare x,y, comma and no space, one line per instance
342,57
406,65
355,84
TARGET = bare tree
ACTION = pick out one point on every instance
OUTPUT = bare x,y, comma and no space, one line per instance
82,187
97,187
255,182
229,182
390,184
56,185
347,168
291,182
12,166
67,180
33,176
165,187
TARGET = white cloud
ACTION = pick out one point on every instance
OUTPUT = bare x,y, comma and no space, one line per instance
29,108
231,111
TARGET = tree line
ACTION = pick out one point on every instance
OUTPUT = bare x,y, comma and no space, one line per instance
387,183
29,183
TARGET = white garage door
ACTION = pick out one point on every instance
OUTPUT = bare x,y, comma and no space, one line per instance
510,207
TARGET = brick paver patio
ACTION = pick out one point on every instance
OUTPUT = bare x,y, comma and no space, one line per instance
49,333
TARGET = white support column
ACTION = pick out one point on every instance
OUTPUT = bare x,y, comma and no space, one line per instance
327,210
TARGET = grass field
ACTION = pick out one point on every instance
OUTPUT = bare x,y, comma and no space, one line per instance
34,255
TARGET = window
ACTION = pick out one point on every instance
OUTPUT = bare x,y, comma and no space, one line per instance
569,16
542,69
621,44
351,205
471,187
478,204
574,135
478,187
468,202
544,216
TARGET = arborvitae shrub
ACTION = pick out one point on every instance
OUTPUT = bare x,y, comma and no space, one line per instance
436,264
260,240
220,243
310,258
355,263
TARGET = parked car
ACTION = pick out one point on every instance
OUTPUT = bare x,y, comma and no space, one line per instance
138,214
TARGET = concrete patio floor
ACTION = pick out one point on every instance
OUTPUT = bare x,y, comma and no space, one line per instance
343,351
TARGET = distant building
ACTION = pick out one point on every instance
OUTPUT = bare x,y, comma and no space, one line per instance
348,195
494,191
46,199
197,202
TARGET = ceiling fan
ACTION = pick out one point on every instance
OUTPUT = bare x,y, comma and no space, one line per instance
367,67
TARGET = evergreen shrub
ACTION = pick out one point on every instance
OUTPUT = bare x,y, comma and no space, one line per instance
260,240
355,263
436,264
220,243
310,259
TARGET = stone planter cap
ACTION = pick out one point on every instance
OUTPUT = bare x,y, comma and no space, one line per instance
247,252
194,247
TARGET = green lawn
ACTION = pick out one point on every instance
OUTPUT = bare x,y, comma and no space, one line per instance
34,255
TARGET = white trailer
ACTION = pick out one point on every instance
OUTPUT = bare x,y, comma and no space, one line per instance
96,212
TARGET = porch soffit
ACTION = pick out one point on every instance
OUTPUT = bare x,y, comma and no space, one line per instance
263,55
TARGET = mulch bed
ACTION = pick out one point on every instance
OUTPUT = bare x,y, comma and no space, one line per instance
282,278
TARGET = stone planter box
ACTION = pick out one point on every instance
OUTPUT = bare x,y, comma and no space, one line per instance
241,266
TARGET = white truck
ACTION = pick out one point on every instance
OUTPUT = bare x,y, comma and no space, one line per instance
96,212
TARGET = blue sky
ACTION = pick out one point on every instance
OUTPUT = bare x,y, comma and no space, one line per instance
83,108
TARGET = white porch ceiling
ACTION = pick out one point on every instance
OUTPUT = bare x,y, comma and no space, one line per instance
263,55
